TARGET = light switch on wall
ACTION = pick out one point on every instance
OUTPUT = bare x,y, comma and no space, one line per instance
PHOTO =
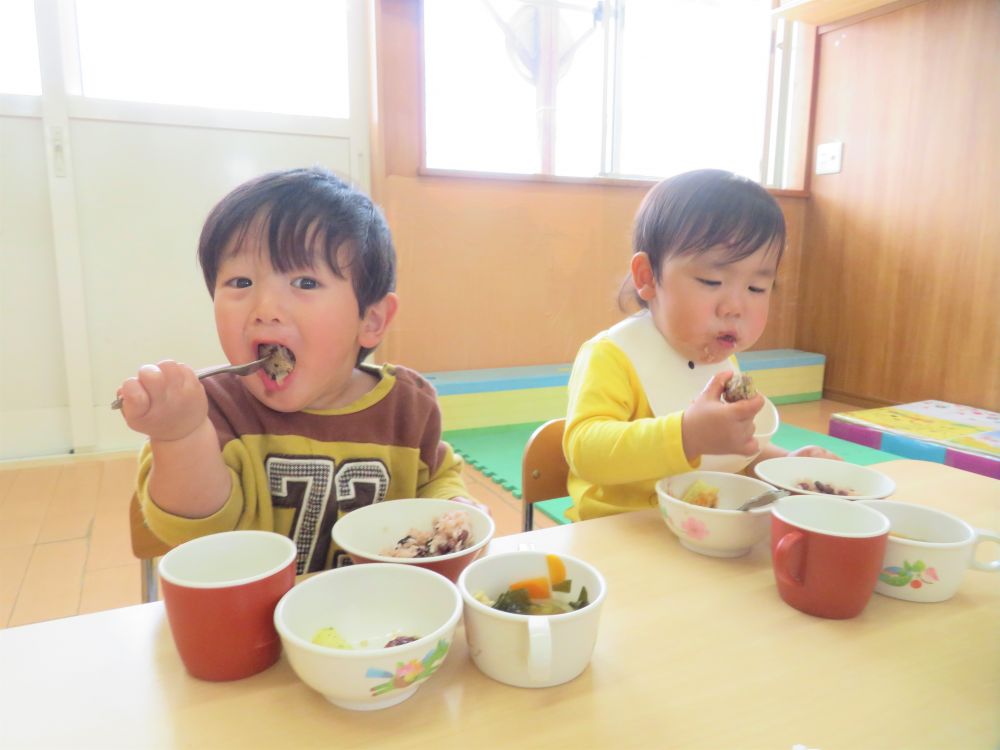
828,156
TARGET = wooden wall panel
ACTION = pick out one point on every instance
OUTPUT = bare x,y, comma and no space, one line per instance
497,272
900,284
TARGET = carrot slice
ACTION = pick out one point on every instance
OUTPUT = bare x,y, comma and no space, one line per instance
557,569
537,588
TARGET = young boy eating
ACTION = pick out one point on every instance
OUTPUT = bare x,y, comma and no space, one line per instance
301,268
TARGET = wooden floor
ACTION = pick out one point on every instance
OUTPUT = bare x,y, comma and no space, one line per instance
64,531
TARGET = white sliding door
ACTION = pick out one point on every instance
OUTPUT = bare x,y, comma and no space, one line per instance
102,201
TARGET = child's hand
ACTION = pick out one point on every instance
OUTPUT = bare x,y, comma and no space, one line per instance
474,503
712,426
164,401
814,451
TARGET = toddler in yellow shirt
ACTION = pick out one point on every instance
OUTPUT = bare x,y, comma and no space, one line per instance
645,395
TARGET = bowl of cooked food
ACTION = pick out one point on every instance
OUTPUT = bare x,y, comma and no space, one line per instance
368,636
805,475
440,535
702,509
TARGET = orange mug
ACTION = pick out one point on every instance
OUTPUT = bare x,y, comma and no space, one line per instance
220,592
827,553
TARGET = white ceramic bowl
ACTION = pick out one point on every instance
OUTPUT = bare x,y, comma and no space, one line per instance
721,531
366,532
863,482
765,425
369,605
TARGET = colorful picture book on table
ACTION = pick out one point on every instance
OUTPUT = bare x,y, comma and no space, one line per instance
961,436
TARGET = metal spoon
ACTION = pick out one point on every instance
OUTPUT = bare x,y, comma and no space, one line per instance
765,498
246,369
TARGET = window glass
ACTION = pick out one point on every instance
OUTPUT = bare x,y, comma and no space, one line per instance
579,100
480,102
694,86
18,49
583,88
289,57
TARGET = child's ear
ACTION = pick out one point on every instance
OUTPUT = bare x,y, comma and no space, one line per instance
376,321
643,277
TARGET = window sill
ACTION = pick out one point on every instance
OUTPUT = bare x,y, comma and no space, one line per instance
535,179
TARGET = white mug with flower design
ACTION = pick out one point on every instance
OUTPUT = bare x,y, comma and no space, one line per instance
928,552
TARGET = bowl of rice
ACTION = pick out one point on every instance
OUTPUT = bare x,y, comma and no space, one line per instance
439,535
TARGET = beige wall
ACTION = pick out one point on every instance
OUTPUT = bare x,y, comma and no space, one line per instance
496,272
900,282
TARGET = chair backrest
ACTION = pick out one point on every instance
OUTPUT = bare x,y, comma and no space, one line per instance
146,546
543,468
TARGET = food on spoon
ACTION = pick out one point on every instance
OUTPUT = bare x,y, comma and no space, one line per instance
280,361
702,493
738,388
815,485
451,532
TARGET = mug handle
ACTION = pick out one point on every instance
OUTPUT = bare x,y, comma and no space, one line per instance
982,535
783,552
539,648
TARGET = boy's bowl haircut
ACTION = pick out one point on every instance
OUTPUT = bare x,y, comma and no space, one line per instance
301,214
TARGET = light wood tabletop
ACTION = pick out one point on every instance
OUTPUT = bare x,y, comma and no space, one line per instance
693,652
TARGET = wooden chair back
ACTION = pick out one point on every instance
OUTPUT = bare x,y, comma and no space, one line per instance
147,547
543,468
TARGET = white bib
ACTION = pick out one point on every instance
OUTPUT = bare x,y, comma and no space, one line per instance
669,382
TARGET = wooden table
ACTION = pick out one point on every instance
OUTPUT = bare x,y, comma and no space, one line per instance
694,652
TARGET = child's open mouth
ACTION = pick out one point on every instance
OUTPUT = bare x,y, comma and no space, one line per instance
281,362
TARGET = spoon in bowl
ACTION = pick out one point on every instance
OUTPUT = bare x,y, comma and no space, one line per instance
765,498
246,369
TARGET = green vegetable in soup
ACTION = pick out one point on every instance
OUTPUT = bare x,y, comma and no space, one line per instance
515,601
518,602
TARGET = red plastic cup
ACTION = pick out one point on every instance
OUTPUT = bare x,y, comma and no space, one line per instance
220,592
827,553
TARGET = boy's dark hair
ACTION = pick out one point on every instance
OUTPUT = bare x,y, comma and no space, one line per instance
694,211
300,213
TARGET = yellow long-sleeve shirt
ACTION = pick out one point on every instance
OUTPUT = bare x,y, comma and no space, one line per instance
617,449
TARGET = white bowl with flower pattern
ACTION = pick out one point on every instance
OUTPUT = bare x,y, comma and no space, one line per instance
369,606
722,531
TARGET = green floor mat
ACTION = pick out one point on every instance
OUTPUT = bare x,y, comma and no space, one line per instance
790,437
496,452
